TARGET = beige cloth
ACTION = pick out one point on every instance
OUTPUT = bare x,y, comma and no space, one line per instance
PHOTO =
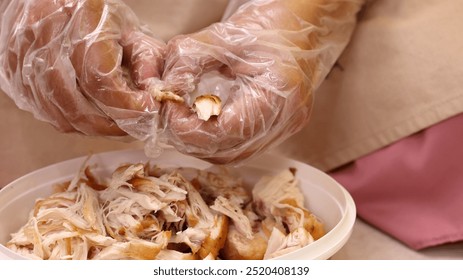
400,74
167,18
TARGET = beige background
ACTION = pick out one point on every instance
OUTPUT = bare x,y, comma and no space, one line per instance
27,144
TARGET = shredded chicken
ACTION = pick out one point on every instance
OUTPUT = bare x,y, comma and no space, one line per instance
162,95
207,106
144,212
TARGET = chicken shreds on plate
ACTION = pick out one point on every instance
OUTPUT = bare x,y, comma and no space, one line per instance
147,212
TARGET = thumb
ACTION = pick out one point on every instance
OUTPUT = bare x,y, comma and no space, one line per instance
188,57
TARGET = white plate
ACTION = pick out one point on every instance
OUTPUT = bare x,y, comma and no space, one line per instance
323,196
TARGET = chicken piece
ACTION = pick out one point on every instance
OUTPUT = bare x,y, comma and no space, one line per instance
245,239
280,244
57,227
124,173
216,239
132,198
217,181
234,212
192,237
137,249
23,251
210,257
199,217
294,217
167,254
269,223
222,183
206,106
163,95
239,247
202,242
281,198
271,190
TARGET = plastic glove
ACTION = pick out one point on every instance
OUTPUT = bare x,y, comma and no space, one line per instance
82,65
264,62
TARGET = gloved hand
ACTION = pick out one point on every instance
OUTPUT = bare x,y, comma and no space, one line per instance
82,65
264,62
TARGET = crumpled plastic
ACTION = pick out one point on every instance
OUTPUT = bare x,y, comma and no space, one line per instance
83,66
264,62
90,66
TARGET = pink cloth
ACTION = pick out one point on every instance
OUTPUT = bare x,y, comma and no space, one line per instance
413,189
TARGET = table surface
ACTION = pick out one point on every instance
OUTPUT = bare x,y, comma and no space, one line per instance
368,243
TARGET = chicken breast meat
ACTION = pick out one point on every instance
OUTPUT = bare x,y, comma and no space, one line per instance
148,212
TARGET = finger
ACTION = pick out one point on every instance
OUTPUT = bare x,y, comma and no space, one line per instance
189,57
252,119
98,60
80,112
26,53
144,56
55,88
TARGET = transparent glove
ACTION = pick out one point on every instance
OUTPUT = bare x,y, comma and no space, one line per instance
264,63
82,65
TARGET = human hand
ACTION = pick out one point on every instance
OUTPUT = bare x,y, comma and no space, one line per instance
264,62
82,65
